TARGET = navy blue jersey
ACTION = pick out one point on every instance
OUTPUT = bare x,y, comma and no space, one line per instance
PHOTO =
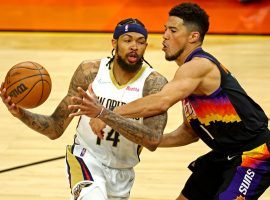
228,120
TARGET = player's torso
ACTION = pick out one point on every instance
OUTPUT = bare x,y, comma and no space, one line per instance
228,120
114,150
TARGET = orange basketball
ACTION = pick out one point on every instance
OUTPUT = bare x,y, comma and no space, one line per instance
28,84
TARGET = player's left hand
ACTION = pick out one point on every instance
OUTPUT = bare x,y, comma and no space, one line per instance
88,104
97,126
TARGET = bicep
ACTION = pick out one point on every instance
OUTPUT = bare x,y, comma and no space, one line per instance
153,84
185,82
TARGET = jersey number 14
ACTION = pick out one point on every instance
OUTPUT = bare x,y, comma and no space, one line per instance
112,136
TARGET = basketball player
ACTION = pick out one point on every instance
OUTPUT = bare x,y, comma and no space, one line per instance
216,109
103,169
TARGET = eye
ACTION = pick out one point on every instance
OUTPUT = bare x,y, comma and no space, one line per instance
127,40
141,42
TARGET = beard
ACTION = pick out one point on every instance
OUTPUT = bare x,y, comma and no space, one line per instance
175,56
127,66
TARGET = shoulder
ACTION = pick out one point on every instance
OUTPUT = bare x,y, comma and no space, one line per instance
85,74
90,65
88,68
197,67
154,83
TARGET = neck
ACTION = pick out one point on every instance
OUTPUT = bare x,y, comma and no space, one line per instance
181,59
121,76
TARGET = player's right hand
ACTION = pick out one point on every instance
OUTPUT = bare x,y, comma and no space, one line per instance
13,109
97,126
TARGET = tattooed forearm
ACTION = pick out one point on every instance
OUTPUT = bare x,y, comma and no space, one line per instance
36,122
132,130
51,126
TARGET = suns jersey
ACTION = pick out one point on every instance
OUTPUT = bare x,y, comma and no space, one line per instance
114,150
228,120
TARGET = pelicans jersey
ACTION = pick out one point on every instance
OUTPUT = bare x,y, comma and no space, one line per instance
228,120
114,150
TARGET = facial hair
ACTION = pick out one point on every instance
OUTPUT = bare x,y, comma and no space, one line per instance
126,66
175,56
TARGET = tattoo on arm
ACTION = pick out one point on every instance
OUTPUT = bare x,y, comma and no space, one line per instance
54,125
128,128
153,84
148,134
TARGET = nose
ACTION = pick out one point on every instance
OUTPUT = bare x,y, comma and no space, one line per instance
166,35
134,45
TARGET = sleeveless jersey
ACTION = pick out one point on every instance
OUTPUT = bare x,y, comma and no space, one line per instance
228,120
114,150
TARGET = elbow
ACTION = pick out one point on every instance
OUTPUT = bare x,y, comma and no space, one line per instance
54,136
151,148
195,139
153,144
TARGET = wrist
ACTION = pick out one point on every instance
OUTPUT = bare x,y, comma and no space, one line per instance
100,113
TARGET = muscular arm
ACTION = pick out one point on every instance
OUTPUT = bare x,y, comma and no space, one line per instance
198,76
150,132
183,135
54,125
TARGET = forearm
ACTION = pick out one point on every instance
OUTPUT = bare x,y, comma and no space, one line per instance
180,137
143,107
137,133
40,123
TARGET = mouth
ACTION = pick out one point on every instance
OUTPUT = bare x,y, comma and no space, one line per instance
132,57
165,47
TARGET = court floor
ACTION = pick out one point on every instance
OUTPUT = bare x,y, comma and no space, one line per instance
161,174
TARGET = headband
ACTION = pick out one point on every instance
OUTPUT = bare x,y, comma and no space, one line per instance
120,30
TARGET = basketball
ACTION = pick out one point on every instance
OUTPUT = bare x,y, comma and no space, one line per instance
28,84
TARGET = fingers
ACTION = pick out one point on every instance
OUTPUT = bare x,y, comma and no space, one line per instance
84,104
91,91
97,127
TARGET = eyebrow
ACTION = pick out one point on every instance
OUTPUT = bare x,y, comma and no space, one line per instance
126,34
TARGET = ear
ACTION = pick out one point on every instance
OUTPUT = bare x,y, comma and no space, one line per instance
194,37
114,42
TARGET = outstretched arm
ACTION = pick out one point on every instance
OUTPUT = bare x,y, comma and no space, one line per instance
189,78
55,124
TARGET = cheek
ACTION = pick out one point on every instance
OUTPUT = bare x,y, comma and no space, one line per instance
177,43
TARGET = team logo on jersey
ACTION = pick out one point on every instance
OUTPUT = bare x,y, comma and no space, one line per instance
132,89
188,111
83,152
246,181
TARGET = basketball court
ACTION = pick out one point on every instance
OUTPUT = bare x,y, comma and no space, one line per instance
161,174
32,167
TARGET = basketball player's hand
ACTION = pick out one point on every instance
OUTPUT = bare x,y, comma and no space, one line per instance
97,126
13,109
85,105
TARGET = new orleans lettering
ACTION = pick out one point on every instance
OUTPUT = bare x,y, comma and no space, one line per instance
111,103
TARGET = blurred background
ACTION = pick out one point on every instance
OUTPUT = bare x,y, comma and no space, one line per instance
226,16
60,34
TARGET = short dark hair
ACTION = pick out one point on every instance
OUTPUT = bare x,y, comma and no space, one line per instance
193,16
130,21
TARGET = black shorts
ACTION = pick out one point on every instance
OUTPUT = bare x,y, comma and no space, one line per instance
221,177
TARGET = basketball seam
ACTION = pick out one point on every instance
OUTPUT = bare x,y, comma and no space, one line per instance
41,83
26,78
30,91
